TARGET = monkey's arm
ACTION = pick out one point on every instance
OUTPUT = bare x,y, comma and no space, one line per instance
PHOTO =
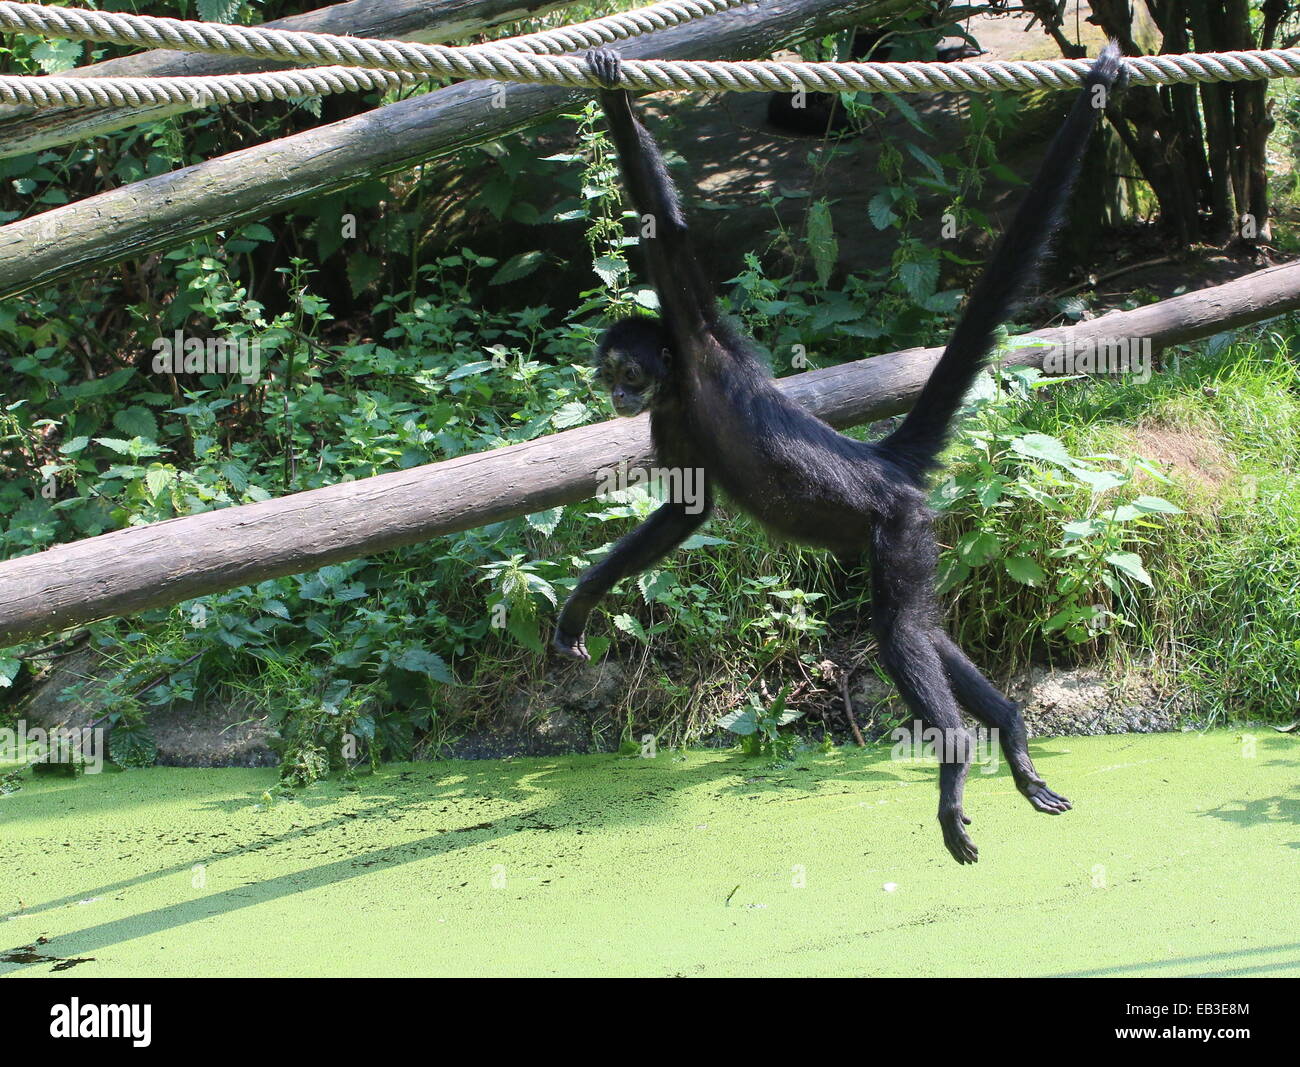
647,544
670,256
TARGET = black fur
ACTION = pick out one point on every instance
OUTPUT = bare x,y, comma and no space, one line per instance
714,407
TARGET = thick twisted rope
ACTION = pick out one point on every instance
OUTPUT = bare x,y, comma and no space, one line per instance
70,90
296,46
505,61
614,27
197,92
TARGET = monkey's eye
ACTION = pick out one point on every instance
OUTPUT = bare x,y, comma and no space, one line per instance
633,376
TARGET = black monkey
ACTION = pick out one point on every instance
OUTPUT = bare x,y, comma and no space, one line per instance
714,407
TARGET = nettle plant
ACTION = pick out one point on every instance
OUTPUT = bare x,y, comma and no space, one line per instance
1014,495
758,725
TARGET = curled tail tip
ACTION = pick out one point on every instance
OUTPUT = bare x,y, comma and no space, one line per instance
1108,68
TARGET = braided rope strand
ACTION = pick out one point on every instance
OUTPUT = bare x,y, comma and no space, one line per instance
385,64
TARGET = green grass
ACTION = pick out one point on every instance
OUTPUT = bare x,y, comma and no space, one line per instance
1178,860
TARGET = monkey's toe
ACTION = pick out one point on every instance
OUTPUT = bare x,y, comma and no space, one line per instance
606,64
1044,800
572,647
956,839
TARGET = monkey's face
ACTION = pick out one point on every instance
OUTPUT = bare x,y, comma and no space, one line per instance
631,375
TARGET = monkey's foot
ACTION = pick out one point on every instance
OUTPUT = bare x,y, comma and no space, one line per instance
573,647
963,849
1043,799
607,65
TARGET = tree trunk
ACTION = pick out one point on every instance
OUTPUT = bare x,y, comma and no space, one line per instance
166,563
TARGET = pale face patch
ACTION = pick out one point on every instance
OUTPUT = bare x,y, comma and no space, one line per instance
623,376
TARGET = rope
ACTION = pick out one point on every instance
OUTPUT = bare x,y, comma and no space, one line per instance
505,61
296,46
202,91
197,92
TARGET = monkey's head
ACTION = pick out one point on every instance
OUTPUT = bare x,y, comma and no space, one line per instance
633,361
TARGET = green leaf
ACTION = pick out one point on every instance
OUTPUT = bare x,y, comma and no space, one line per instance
236,475
132,747
881,210
1157,504
977,548
1131,564
609,269
1082,528
646,298
158,479
116,444
517,267
219,10
363,272
573,413
991,492
701,541
422,661
55,57
1040,446
926,160
136,421
478,367
276,608
631,626
545,521
919,276
824,247
1098,481
1023,569
743,721
905,108
8,671
952,573
1065,617
655,585
109,383
525,630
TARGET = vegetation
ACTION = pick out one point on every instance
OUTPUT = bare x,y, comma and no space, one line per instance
1095,520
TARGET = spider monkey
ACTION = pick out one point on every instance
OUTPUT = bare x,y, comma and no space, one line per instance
714,407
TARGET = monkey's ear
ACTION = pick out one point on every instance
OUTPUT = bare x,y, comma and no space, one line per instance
667,356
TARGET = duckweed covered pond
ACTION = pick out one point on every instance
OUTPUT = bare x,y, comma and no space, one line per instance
1181,858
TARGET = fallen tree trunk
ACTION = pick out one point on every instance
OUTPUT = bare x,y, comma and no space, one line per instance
170,562
24,130
256,182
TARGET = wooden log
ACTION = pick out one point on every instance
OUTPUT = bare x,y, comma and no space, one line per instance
24,130
179,559
256,182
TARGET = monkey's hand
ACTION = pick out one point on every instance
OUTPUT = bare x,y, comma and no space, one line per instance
573,647
607,65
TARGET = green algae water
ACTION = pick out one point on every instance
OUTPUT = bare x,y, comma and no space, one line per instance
1180,858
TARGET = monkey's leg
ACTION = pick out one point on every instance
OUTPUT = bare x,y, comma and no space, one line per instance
647,544
984,701
902,618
